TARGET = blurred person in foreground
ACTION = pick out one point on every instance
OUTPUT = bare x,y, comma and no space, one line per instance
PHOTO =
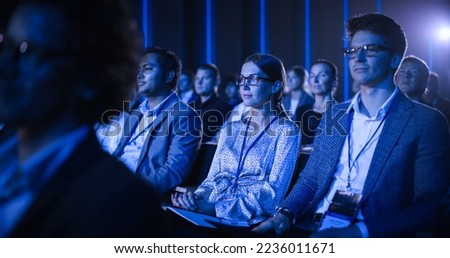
62,64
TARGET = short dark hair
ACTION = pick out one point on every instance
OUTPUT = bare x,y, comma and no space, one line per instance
300,71
168,61
189,73
212,68
423,68
382,25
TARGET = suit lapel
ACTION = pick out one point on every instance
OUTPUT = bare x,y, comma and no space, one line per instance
166,109
130,125
339,131
396,120
329,147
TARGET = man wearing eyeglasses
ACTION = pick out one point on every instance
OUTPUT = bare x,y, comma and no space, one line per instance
380,164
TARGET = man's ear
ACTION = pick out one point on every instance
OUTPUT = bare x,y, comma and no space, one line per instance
170,75
396,60
276,87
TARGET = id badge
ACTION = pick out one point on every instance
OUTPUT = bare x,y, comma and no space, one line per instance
343,210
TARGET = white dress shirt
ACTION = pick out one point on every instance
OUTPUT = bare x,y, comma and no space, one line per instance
132,151
363,132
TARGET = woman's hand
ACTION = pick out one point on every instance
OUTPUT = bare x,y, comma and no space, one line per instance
184,200
189,202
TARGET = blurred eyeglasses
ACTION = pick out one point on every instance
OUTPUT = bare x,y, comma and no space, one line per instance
253,80
368,50
27,50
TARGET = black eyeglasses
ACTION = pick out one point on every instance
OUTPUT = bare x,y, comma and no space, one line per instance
253,80
368,50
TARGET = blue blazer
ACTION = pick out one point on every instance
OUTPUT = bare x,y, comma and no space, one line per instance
171,146
407,178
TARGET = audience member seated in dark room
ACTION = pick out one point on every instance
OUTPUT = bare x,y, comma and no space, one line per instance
384,157
255,157
62,64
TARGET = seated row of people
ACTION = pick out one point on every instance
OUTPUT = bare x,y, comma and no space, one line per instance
381,156
380,162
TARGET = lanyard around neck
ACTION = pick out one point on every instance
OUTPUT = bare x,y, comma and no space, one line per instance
352,164
243,156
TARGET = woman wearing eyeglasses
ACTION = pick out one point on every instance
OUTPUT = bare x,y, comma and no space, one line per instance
256,156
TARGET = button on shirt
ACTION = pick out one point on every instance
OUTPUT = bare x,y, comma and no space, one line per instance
21,183
361,130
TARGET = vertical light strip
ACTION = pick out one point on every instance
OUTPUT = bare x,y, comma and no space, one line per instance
379,6
307,34
347,83
208,32
147,26
262,26
145,21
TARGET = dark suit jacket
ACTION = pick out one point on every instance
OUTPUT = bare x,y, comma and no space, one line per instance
214,113
407,178
92,195
171,147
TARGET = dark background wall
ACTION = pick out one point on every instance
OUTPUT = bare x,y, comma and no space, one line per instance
226,31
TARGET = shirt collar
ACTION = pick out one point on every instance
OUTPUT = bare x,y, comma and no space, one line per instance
354,105
143,107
